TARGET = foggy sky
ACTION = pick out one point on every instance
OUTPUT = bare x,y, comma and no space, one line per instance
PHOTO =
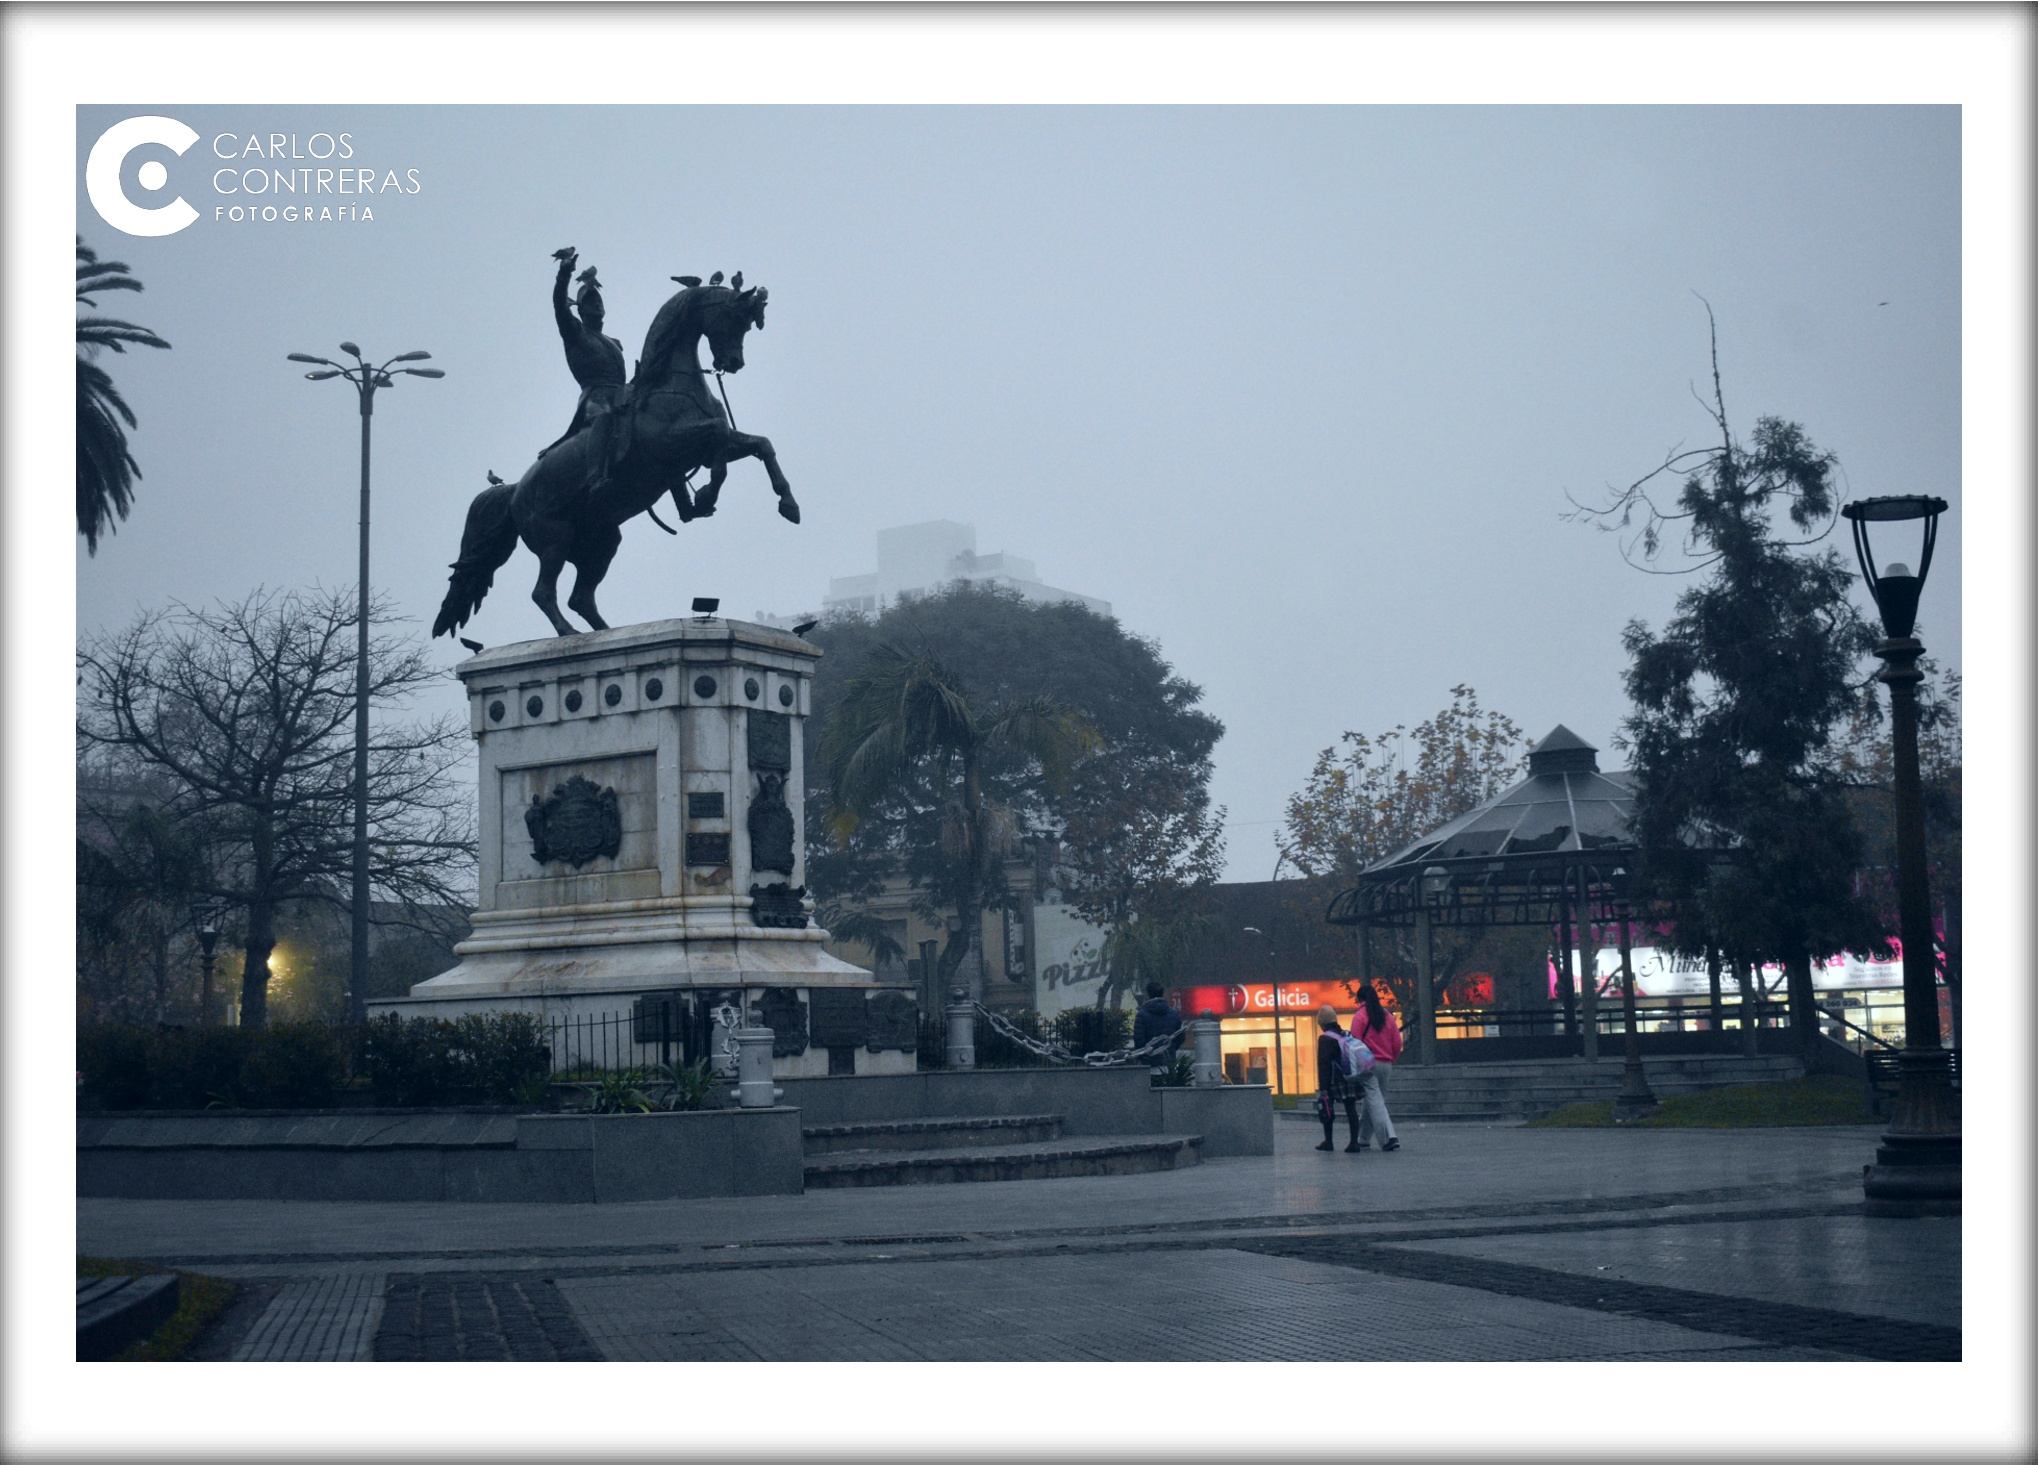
1300,391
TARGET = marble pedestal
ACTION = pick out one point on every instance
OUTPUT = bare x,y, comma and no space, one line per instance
641,795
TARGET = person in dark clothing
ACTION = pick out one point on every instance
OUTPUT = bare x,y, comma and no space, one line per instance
1332,1086
1157,1016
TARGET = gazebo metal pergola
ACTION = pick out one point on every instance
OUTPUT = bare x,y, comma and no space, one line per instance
1555,850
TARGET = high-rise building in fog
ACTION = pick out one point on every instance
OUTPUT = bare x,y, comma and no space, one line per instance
915,559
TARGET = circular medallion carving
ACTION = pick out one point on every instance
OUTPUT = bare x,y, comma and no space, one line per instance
653,690
535,705
573,701
704,686
750,688
785,696
612,694
496,710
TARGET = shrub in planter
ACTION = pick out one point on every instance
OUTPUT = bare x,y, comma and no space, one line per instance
1176,1075
113,1067
497,1058
198,1068
409,1061
506,1053
995,1050
1092,1029
687,1086
299,1065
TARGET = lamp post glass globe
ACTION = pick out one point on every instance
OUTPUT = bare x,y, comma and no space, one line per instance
1897,587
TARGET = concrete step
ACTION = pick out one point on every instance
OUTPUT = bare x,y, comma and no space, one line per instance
951,1132
1051,1159
116,1311
1526,1089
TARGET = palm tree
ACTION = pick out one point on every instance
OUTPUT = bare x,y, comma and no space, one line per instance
106,469
1150,950
905,718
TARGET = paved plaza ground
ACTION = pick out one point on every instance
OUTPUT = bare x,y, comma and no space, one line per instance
1471,1243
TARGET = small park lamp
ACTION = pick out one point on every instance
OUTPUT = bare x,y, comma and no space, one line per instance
207,923
1917,1166
365,379
1636,1100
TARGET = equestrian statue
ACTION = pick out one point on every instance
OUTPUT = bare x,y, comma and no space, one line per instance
628,445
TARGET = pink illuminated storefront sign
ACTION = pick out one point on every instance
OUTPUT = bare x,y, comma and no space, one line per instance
1659,973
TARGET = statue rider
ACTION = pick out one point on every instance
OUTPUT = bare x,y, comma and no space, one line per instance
595,360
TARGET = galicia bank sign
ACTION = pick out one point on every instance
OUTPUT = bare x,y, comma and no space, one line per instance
243,177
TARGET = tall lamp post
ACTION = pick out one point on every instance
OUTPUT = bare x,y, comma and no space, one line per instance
1917,1166
365,379
1274,972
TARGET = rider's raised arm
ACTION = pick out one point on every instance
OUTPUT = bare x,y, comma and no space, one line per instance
569,328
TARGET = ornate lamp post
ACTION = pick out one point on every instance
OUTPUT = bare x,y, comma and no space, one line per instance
208,937
1917,1166
365,380
1635,1100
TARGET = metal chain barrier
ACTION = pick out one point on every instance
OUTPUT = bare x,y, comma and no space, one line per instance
1153,1049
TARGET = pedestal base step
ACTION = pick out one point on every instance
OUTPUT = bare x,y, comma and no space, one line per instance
1083,1155
952,1132
116,1311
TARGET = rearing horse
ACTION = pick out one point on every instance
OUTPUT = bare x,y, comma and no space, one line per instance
570,504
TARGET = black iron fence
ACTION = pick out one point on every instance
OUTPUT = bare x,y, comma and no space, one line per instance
1859,1020
663,1030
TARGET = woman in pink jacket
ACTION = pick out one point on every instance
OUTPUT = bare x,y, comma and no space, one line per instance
1374,1026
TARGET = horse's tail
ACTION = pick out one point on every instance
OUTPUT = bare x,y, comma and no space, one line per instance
486,544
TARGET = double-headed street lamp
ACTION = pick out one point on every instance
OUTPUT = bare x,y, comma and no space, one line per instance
365,379
1917,1166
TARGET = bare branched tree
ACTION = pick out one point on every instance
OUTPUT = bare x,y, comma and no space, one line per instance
246,711
1720,488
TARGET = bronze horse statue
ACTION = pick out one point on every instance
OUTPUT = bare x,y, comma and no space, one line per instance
569,505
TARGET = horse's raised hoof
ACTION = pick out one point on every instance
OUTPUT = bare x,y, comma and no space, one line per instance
787,509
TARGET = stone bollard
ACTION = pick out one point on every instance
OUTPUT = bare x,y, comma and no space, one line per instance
1207,1071
754,1088
962,1029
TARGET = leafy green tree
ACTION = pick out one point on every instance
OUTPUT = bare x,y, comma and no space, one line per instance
106,468
1383,792
1739,703
1131,833
245,714
906,727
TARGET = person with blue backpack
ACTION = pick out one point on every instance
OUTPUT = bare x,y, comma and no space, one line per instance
1342,1063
